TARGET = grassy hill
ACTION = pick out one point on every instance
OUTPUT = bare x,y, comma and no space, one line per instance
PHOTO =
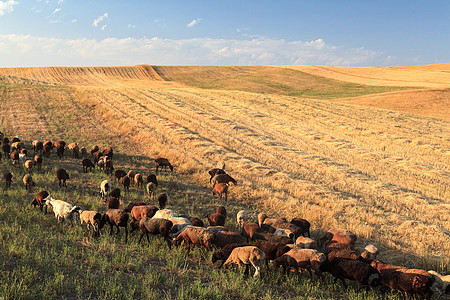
290,138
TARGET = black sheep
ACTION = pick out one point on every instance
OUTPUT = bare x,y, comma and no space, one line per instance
153,226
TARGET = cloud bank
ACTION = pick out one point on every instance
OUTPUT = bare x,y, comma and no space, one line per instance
7,6
26,50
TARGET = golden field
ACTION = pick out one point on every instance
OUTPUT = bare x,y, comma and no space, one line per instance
367,149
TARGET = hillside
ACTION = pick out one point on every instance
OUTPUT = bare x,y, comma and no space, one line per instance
288,136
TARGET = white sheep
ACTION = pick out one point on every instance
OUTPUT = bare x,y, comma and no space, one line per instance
105,189
246,255
22,158
241,217
165,214
63,210
285,232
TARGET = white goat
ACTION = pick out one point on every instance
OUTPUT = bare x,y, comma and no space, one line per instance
105,189
63,210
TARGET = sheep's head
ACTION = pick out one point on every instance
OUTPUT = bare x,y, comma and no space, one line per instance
47,200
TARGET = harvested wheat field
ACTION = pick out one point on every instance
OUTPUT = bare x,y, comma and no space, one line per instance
366,149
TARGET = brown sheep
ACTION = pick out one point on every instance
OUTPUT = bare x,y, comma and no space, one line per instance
162,200
138,180
197,236
141,211
38,146
153,226
94,149
222,210
39,200
342,236
6,149
126,181
131,174
38,161
223,178
62,176
223,238
216,219
87,165
221,189
118,174
115,193
113,202
28,181
133,204
108,151
303,224
48,146
8,178
305,258
271,250
246,255
29,165
224,253
15,157
75,149
163,163
151,187
92,219
214,172
249,229
118,218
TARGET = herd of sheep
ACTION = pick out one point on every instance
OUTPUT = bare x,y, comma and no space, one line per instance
285,244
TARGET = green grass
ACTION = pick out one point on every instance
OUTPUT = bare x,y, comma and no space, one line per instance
269,80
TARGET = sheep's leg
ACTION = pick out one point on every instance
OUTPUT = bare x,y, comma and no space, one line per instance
126,234
148,239
267,264
169,242
111,231
257,269
140,239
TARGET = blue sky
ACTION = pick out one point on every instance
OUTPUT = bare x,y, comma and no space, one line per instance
190,32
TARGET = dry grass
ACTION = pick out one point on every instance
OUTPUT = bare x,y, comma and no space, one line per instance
380,173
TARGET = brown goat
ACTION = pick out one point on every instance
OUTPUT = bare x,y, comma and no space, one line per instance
220,189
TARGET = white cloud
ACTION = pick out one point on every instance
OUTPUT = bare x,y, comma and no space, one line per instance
26,50
104,27
194,22
7,6
131,26
97,21
56,10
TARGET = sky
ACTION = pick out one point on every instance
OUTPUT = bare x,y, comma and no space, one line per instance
356,33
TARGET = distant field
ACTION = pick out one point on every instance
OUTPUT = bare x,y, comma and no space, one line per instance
292,137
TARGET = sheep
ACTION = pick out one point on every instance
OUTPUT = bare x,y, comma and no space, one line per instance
246,255
118,174
59,150
28,181
305,243
196,222
17,146
271,250
138,180
113,202
163,163
264,220
223,238
338,235
441,282
92,219
152,178
241,217
249,229
6,148
118,218
63,210
223,178
97,156
279,239
22,158
342,269
153,226
62,176
195,235
83,151
216,219
162,200
105,189
94,149
38,161
48,146
220,189
108,151
16,139
38,146
87,165
8,178
304,258
115,193
222,210
75,149
133,204
131,174
224,253
126,181
109,168
303,224
410,281
165,214
150,188
272,224
214,172
29,165
15,157
140,211
39,200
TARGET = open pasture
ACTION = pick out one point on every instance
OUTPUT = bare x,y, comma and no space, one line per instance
381,172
